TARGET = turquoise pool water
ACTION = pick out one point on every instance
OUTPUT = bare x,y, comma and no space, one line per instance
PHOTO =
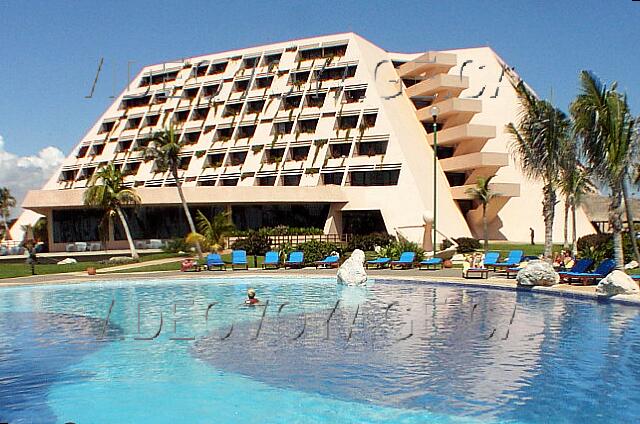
391,352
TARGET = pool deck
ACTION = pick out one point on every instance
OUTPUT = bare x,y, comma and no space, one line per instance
444,276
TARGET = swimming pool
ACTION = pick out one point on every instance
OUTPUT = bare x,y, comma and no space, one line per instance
162,351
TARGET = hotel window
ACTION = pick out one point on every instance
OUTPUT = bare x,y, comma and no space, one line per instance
319,52
332,178
200,114
354,96
210,90
135,102
340,73
86,173
164,77
96,149
207,183
181,116
142,143
428,126
374,178
281,128
131,168
191,137
160,98
133,123
264,82
82,152
372,149
106,127
445,152
339,150
214,160
347,122
218,68
290,102
246,131
200,70
66,176
255,106
299,153
223,134
369,120
273,155
232,109
237,158
455,178
190,93
124,145
307,126
250,63
271,59
291,180
298,78
266,181
229,182
240,86
151,120
315,100
184,163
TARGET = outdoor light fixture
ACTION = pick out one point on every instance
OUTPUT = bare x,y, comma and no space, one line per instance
435,111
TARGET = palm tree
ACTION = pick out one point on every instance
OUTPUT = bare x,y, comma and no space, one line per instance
215,229
483,194
606,129
165,149
539,140
7,201
574,185
107,192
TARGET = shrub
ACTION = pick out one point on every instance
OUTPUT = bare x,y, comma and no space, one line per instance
369,241
255,244
600,246
467,244
176,245
445,244
394,249
315,250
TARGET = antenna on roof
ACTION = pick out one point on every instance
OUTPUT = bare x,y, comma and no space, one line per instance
95,80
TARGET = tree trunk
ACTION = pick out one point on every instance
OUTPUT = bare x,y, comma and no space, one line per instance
125,225
630,224
565,246
7,236
615,221
485,228
574,236
548,211
192,227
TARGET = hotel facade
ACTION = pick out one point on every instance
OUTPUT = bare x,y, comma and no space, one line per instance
331,132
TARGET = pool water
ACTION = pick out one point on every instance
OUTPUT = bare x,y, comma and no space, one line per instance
403,352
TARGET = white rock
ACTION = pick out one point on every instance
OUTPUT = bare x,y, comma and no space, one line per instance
67,261
537,273
352,272
120,259
631,265
617,282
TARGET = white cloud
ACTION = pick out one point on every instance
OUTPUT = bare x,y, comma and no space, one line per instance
23,173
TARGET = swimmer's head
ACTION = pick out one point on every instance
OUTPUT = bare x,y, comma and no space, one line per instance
251,293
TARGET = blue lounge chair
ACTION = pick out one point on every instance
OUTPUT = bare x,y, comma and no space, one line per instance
378,263
271,259
601,271
296,259
405,261
635,276
431,262
239,259
513,260
491,259
581,265
215,261
330,261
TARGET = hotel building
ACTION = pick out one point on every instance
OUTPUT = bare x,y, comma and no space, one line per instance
332,132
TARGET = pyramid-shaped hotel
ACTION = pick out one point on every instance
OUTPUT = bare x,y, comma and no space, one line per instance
331,132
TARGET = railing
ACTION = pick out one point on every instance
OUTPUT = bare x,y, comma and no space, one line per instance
297,239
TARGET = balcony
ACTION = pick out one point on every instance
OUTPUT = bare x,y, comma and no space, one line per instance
440,85
429,63
501,189
467,133
473,161
462,110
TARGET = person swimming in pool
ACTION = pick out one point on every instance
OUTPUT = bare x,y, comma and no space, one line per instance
251,297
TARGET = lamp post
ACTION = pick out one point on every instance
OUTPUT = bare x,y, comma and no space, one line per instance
435,110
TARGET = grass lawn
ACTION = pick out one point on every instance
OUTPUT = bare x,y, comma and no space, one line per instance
529,250
175,266
22,269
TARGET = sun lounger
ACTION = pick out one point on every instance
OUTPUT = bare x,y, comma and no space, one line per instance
491,259
431,263
296,259
513,260
601,271
512,271
405,261
484,272
330,261
581,265
214,261
239,259
271,259
377,263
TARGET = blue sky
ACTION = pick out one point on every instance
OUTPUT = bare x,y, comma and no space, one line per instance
50,49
